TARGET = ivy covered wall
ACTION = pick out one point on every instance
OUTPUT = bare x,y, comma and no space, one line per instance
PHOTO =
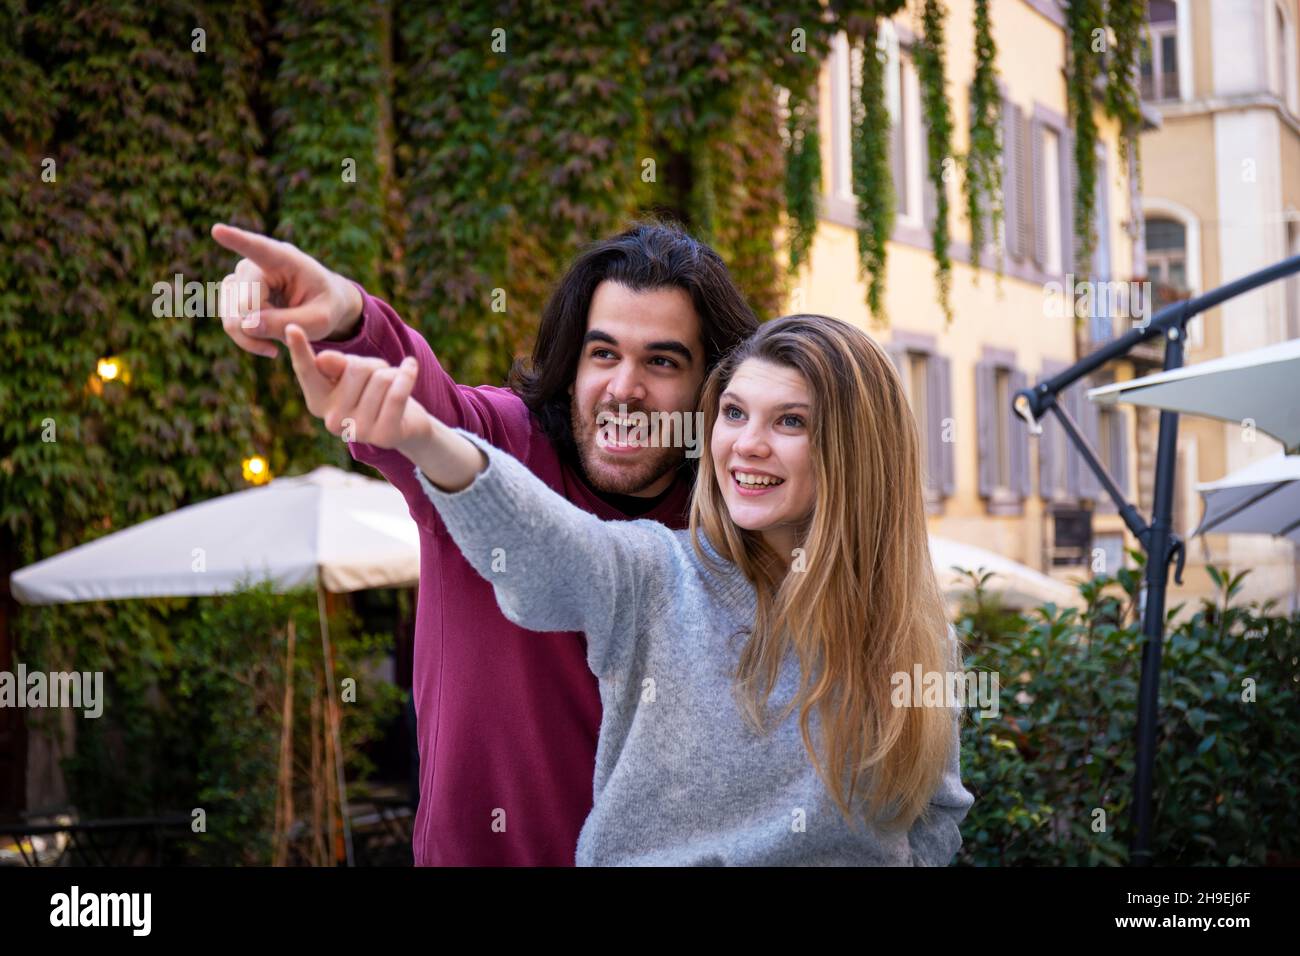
450,156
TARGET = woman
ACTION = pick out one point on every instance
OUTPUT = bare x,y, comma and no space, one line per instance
804,579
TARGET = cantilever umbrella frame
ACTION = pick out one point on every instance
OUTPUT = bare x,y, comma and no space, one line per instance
1159,542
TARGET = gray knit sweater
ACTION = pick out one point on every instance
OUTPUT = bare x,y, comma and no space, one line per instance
681,777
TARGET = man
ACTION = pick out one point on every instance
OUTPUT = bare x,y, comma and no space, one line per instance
507,719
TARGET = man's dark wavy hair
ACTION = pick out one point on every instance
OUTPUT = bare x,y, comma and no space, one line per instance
650,255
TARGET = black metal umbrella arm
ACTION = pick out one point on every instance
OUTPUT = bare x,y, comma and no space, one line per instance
1127,510
1157,538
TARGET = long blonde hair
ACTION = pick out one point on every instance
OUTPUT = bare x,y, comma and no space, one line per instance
866,604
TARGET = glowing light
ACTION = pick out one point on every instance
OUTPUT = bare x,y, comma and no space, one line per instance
256,470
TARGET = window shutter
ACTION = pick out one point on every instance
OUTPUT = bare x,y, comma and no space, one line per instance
942,372
1010,193
1021,184
1069,190
933,426
897,353
1047,453
1018,436
1103,321
1089,425
1070,404
985,427
1035,191
1101,254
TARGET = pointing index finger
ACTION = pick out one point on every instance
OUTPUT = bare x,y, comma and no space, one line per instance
263,250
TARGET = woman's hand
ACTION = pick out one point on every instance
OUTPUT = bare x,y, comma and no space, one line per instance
366,400
360,399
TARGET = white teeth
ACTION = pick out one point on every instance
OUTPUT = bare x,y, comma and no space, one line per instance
747,479
602,421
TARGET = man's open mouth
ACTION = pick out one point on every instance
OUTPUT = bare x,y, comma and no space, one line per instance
622,433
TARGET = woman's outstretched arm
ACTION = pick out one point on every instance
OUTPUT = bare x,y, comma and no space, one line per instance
554,567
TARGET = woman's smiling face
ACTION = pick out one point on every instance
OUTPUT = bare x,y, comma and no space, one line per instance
762,453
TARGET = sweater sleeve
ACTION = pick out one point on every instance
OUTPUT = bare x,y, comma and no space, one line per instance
553,566
936,837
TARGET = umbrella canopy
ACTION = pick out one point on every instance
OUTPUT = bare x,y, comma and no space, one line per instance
355,532
1262,385
1262,498
351,531
1019,584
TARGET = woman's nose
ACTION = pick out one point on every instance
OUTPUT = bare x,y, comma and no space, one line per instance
751,441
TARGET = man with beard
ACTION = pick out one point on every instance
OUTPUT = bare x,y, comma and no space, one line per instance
507,719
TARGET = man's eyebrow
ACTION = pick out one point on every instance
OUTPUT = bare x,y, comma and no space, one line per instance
780,408
667,345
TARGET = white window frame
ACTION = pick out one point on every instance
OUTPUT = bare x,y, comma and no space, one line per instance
1282,55
1168,209
1155,33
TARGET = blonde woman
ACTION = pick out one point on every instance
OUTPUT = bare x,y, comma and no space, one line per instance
746,664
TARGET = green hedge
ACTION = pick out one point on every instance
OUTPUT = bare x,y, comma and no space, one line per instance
1227,771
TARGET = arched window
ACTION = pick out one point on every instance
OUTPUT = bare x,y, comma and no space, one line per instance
1172,258
1167,251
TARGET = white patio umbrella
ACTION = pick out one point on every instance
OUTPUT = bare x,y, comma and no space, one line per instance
1019,584
343,531
1262,385
1262,498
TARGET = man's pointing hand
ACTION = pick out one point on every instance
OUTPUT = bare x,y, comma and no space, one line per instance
276,283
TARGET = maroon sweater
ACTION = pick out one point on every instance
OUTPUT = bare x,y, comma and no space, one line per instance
507,719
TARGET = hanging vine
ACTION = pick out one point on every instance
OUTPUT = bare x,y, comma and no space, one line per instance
984,158
1127,19
1086,41
869,122
803,173
930,71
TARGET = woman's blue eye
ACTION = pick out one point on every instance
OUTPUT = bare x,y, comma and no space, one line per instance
728,410
798,422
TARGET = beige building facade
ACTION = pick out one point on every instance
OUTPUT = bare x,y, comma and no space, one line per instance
990,482
1221,199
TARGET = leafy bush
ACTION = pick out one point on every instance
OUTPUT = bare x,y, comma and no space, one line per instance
1053,772
193,708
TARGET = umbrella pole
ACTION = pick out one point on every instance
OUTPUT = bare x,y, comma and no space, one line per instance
1160,548
331,709
1157,539
284,780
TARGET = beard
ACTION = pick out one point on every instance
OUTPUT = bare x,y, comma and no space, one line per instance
625,474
